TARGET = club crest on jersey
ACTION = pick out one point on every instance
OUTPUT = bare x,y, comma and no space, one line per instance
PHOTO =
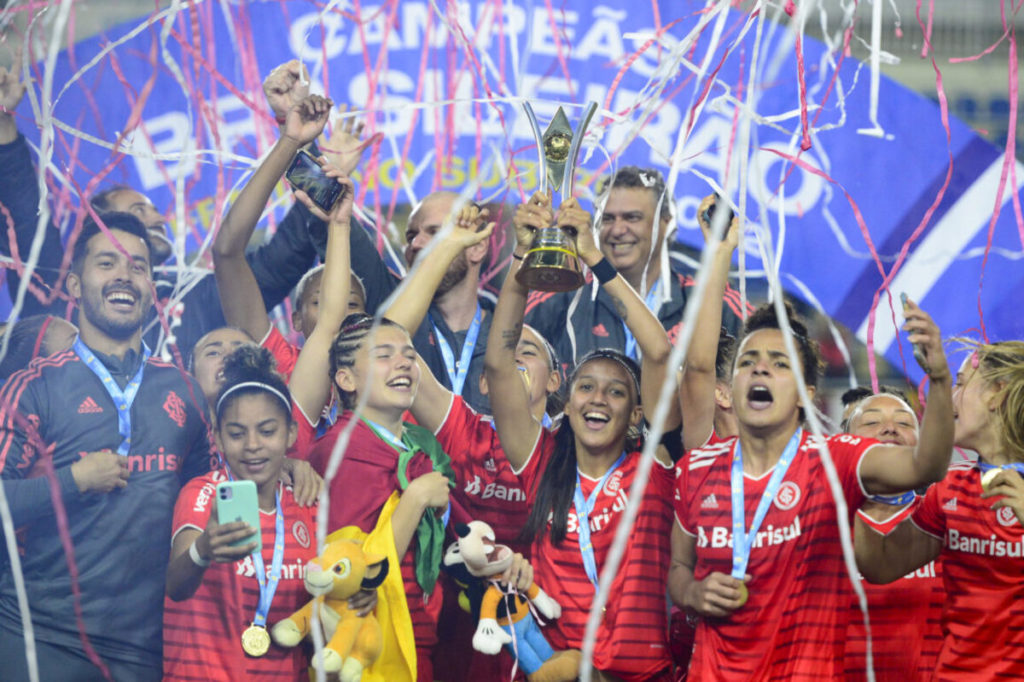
1006,517
174,406
614,482
788,495
301,534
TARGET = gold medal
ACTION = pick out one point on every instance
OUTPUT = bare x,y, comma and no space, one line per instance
744,594
256,641
988,477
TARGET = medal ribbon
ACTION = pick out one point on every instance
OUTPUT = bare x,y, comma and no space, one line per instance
457,371
1016,466
743,542
650,301
583,509
123,399
269,586
894,500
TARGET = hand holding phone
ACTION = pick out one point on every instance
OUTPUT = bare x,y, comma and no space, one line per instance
918,350
238,501
307,175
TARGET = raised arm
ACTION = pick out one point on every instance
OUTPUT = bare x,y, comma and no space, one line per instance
908,468
517,428
237,287
310,383
697,391
885,558
410,307
650,335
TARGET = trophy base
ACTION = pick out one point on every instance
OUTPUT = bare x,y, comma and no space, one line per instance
550,270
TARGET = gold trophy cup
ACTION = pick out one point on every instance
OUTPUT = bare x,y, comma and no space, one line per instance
552,264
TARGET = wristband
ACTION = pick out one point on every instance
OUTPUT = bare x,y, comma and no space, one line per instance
604,271
193,554
516,257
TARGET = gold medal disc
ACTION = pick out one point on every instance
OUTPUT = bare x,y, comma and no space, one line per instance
256,640
988,477
744,594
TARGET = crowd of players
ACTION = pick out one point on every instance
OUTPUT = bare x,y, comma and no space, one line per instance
526,412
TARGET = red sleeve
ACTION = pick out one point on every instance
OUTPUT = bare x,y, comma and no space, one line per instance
285,354
847,453
192,510
929,515
534,467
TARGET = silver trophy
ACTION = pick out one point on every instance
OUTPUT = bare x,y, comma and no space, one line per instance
552,264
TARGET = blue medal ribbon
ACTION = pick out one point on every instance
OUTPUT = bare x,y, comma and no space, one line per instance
650,301
268,586
1016,466
894,500
123,399
458,371
584,506
742,541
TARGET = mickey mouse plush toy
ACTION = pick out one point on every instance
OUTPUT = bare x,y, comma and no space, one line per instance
473,561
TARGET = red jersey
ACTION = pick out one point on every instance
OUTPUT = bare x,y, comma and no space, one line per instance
794,623
285,353
632,639
203,634
906,617
487,487
983,576
366,479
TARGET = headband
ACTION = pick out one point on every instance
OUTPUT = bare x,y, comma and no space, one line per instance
610,354
255,384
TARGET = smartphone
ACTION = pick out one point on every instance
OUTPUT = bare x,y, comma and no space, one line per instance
709,212
306,174
237,501
918,350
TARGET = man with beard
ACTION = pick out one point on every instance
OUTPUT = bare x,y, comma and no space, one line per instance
453,337
187,297
95,443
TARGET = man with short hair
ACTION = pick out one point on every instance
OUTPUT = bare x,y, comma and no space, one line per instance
96,441
634,227
191,307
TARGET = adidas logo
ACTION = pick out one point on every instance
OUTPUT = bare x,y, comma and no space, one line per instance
89,406
599,330
709,502
951,505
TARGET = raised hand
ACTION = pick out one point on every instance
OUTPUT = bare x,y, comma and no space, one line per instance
342,209
344,148
100,472
470,228
286,86
531,216
731,239
577,223
924,333
306,120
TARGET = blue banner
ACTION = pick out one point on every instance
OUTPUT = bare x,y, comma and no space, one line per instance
172,105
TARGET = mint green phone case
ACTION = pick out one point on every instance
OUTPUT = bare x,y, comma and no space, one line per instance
238,501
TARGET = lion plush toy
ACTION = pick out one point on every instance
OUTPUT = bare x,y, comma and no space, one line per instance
353,641
473,561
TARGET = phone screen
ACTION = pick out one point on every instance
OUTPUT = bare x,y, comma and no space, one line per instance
306,174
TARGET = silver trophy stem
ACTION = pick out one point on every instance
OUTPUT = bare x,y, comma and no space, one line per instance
574,150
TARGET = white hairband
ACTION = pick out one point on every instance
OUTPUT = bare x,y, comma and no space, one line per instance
255,384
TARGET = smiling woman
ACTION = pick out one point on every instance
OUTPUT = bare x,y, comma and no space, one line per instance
218,582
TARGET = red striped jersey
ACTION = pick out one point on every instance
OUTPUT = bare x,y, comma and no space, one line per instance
203,634
794,623
983,573
632,639
487,487
906,617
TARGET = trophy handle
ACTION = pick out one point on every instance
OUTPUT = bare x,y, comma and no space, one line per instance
574,149
542,175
